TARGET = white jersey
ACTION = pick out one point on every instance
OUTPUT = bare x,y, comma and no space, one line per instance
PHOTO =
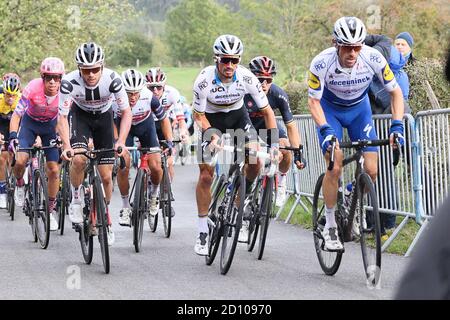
212,96
92,99
144,107
346,87
170,101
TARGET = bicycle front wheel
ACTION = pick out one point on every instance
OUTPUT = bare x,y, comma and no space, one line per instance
265,213
102,223
84,229
214,220
329,261
369,227
41,213
165,195
139,208
65,195
11,185
233,222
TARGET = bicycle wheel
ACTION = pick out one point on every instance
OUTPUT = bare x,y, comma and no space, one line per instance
11,185
102,222
232,222
367,209
139,208
65,195
253,227
214,220
265,213
329,261
40,209
166,202
84,229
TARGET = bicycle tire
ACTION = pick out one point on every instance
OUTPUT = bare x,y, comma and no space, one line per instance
214,231
65,197
253,227
40,208
371,257
102,222
139,208
265,214
232,222
329,261
10,203
166,202
85,237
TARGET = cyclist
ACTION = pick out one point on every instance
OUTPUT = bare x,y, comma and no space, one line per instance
143,103
339,79
8,102
169,97
92,89
36,114
265,69
188,118
218,107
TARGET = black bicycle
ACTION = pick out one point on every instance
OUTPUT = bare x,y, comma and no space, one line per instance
363,204
165,195
36,194
95,217
141,196
226,210
262,202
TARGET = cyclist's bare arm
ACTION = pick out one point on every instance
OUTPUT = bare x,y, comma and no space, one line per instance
398,106
166,129
14,122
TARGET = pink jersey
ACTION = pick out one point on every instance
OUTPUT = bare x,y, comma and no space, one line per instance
36,104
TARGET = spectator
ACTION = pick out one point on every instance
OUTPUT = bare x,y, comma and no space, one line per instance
404,43
428,273
380,101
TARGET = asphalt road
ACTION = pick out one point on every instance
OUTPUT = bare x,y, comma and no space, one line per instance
169,268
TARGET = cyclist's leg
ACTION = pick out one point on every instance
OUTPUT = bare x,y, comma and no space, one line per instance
80,133
330,184
122,174
47,132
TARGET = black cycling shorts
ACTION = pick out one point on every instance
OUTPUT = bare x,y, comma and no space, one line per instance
144,131
98,126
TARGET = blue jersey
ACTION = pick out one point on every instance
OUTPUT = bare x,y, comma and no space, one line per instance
278,100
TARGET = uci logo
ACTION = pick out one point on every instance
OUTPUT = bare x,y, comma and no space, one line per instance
218,89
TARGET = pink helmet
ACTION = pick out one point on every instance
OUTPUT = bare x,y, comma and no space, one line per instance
52,65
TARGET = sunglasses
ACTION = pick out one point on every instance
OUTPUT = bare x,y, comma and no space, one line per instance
228,60
267,80
350,48
152,88
87,72
50,77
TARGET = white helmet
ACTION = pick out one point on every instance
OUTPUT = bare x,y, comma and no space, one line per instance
133,80
228,45
349,31
89,54
155,77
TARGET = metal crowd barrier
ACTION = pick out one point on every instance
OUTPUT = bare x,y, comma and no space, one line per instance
414,189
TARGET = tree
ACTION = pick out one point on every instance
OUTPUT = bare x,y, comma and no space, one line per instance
33,30
193,25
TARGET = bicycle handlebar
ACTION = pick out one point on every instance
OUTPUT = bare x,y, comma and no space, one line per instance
365,143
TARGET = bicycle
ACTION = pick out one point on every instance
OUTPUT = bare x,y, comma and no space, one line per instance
262,202
226,210
363,203
36,194
140,195
165,195
95,217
